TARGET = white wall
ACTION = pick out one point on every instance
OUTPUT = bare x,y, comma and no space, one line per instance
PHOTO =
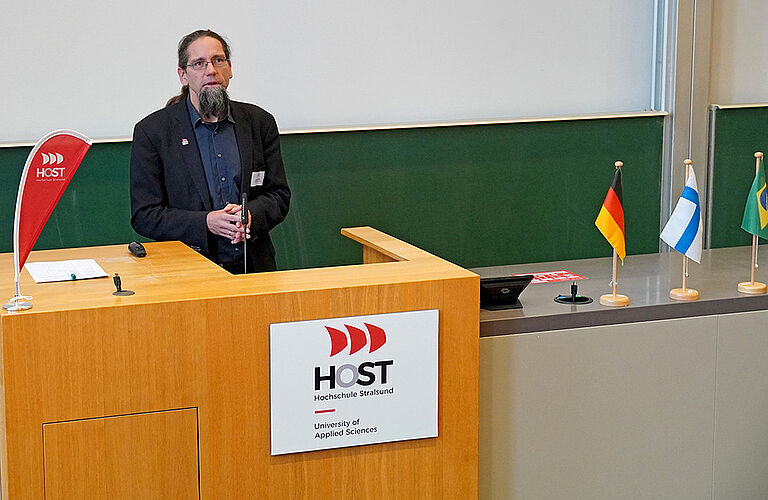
98,67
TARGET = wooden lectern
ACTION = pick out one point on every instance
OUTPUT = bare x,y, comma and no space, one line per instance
165,394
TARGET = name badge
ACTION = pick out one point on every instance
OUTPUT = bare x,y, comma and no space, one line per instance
257,178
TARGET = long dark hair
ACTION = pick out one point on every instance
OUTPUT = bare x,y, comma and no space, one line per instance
184,57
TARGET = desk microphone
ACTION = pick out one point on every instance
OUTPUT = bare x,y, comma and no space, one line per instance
119,287
244,222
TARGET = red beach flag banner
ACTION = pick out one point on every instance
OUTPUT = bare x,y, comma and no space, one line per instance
50,166
610,220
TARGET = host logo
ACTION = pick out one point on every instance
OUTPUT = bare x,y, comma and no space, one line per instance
356,338
348,375
47,172
52,158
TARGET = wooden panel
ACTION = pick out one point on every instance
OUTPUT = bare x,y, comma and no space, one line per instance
131,457
372,256
446,464
201,339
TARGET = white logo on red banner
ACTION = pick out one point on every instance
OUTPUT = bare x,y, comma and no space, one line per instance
52,158
43,181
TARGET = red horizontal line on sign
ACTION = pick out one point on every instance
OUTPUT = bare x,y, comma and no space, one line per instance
325,411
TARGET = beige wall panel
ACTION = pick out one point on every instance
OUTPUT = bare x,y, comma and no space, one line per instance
741,432
607,412
131,457
739,52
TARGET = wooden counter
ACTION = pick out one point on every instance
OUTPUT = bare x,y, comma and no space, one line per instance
165,394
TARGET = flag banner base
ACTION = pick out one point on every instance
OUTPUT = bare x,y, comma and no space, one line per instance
684,294
752,287
612,300
16,303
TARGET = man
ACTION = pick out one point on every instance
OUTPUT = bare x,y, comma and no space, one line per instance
192,160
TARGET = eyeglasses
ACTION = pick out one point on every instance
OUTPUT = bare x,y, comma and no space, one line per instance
200,64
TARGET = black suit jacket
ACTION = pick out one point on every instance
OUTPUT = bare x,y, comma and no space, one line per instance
169,193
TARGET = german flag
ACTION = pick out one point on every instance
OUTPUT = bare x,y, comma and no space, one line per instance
610,220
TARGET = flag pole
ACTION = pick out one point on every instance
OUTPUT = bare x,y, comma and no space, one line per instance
753,287
20,302
685,293
615,299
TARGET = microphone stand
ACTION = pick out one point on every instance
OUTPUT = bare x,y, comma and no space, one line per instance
244,222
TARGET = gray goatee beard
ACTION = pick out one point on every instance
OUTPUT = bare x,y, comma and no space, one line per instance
214,102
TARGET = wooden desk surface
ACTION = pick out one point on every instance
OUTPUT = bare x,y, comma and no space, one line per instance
173,271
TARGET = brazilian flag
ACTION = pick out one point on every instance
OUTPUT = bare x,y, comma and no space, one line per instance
755,219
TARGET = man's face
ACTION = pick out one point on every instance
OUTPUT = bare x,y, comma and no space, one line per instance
204,49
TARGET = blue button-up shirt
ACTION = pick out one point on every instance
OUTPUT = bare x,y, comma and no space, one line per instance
221,162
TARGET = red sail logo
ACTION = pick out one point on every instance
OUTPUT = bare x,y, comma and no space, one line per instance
356,338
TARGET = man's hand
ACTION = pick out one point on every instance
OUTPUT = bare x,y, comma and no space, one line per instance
226,223
236,209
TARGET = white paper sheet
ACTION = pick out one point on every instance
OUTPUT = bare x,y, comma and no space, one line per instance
64,270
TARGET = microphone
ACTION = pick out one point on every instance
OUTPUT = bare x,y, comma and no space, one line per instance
244,222
119,287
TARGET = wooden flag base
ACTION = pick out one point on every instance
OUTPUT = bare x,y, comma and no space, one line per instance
612,300
684,294
752,287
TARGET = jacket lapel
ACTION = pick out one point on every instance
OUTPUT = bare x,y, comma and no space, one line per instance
190,153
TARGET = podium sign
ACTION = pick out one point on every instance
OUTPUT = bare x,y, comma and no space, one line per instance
352,381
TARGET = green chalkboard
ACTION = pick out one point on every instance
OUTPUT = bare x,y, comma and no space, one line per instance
476,195
738,134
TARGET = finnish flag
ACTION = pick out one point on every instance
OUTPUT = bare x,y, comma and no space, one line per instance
683,229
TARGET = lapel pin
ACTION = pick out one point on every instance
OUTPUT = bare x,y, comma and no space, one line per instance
184,141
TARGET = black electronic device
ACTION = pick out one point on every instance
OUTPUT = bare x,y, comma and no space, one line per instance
137,249
244,211
503,292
